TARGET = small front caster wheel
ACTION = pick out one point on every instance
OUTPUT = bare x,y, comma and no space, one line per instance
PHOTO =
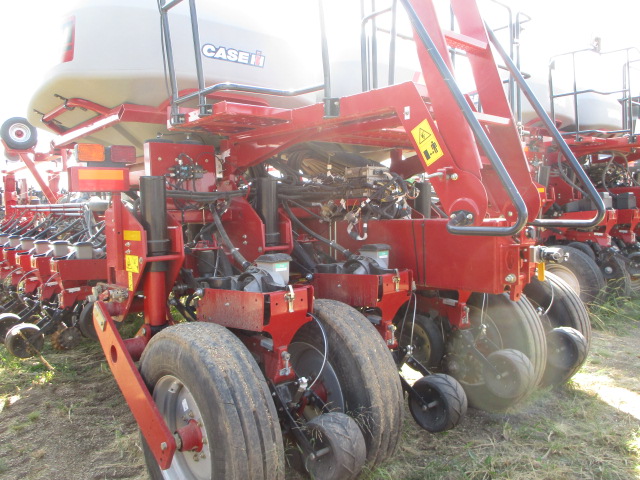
441,405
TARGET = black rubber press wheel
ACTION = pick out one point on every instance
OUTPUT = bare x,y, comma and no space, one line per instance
201,371
340,445
7,321
24,340
359,377
567,351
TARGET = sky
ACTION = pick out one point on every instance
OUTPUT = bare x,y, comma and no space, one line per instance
30,41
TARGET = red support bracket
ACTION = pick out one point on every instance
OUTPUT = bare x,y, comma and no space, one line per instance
153,427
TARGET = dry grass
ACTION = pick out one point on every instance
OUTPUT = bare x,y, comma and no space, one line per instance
73,422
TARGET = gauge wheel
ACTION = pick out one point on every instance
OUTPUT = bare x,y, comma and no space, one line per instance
359,377
582,274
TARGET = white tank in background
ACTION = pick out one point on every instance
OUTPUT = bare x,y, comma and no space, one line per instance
563,114
116,56
596,112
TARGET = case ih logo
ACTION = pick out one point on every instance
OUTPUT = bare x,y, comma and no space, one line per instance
233,55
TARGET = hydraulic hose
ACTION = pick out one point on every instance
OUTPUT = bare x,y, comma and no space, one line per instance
237,256
331,243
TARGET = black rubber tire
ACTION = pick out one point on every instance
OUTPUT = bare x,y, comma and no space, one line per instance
428,342
238,413
347,449
85,322
514,378
510,325
618,279
24,340
446,399
365,370
7,321
586,272
18,125
519,327
568,350
566,309
584,248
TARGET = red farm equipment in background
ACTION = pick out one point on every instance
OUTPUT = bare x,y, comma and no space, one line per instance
290,256
600,131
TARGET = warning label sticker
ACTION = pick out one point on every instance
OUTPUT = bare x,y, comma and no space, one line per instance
131,263
427,143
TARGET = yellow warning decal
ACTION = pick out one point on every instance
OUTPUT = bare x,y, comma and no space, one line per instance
132,235
541,271
130,275
131,263
541,189
427,143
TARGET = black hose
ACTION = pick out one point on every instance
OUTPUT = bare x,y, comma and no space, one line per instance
315,235
235,253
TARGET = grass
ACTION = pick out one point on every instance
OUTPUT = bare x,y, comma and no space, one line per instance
588,429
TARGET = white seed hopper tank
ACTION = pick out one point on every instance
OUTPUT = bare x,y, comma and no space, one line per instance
115,57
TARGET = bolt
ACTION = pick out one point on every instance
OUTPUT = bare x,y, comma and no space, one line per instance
454,176
511,278
509,214
190,414
163,446
469,216
196,457
202,455
608,270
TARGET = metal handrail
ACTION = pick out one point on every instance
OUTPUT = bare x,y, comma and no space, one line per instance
626,91
202,92
564,148
481,138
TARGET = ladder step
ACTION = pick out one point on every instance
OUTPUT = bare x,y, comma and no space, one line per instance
465,43
487,119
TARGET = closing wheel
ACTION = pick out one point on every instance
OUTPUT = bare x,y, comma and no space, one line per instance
7,321
567,351
201,371
66,338
18,134
85,322
507,325
509,373
617,277
582,274
359,377
340,450
428,342
559,306
24,340
442,405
